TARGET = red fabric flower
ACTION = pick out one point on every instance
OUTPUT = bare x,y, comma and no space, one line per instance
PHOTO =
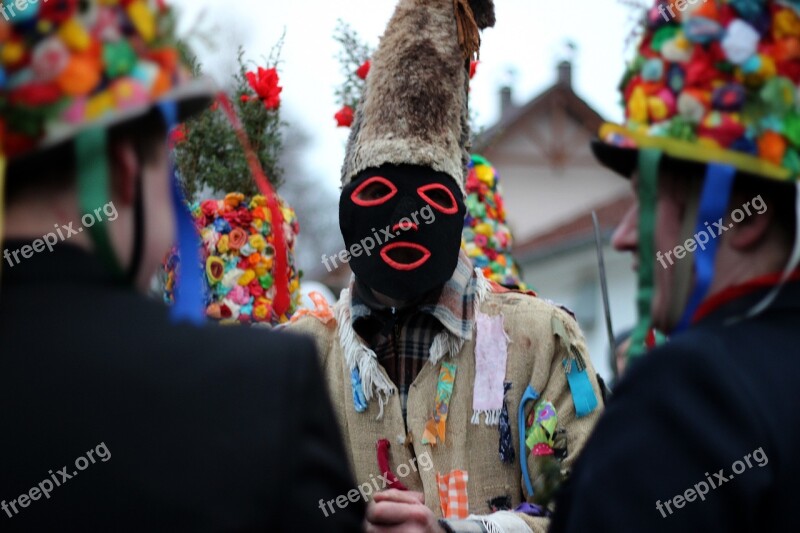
239,217
177,135
255,288
209,207
35,95
363,70
701,72
58,11
237,238
473,68
344,118
791,70
265,84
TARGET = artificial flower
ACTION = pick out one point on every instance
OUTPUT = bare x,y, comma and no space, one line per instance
209,207
238,238
740,42
265,84
177,135
234,199
363,70
247,277
261,312
473,68
215,269
772,147
344,118
35,94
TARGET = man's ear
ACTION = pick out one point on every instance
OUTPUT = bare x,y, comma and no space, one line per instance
752,230
125,170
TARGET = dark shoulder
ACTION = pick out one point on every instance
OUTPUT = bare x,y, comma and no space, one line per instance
703,374
146,327
747,358
692,360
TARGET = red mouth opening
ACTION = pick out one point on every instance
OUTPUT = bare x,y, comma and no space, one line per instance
405,226
405,255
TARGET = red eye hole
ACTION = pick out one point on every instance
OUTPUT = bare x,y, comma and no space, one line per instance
439,197
375,191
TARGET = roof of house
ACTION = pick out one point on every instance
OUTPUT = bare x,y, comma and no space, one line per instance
559,95
574,233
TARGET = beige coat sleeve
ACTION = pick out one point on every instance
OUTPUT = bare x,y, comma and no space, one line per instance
550,381
323,334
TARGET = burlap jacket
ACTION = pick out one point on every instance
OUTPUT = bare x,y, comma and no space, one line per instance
534,358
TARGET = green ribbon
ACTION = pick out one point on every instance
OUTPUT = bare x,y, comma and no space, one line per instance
91,155
649,163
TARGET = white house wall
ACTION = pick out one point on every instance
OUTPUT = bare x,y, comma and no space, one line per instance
562,279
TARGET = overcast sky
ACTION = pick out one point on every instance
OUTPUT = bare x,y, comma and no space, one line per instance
530,37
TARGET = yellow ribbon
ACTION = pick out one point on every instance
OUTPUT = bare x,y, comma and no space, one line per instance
701,154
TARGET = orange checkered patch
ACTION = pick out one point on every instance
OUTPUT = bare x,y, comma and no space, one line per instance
453,494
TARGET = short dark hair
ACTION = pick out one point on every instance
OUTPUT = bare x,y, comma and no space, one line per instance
54,169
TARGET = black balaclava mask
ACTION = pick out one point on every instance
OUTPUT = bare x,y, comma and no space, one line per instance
402,226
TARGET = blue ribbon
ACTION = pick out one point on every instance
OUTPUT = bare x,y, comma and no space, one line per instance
529,396
189,304
713,206
359,401
580,386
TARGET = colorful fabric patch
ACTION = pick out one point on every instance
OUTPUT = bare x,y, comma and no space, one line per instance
577,377
507,453
531,509
436,427
453,494
359,401
530,395
581,388
491,353
383,463
322,309
541,432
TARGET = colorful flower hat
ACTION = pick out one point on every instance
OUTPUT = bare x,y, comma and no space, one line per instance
713,83
238,259
487,239
70,65
70,69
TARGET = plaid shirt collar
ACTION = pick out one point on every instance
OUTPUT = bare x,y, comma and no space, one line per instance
402,338
453,306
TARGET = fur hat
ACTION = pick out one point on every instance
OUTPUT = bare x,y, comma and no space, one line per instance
414,107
